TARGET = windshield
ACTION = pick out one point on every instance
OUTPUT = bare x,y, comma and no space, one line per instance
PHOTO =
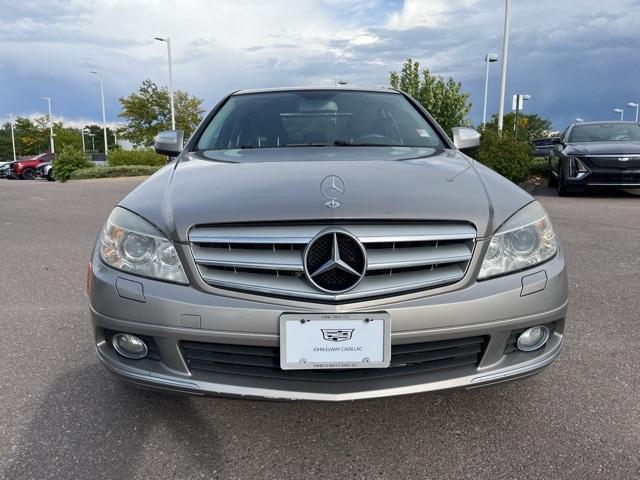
605,132
317,118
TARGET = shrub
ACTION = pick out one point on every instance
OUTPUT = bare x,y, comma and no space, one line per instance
112,172
502,153
135,157
68,161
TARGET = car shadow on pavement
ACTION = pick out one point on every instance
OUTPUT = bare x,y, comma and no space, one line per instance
91,425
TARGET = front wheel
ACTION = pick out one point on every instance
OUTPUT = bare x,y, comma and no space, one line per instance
29,174
50,176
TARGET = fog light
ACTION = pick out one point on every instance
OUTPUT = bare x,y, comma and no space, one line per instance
533,338
129,346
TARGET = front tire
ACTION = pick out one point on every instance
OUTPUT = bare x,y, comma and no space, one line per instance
50,176
28,174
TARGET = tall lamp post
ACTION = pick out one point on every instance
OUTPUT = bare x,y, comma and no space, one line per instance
13,138
620,111
489,58
173,113
505,58
104,114
637,107
48,99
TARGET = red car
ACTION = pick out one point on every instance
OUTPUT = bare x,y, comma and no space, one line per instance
26,169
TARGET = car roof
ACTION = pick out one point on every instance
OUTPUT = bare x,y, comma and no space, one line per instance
312,88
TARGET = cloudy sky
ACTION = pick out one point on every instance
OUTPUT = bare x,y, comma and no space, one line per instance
576,58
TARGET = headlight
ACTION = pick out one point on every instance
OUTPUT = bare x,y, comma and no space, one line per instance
525,240
133,245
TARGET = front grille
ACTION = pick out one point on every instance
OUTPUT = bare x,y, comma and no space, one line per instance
268,259
613,161
264,362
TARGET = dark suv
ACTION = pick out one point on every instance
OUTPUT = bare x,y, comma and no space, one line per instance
596,154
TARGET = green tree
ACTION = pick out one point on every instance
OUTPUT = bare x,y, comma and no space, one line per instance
502,153
68,161
444,99
148,112
32,137
530,126
98,138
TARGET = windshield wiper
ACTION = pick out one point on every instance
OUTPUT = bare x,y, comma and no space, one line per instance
345,143
307,144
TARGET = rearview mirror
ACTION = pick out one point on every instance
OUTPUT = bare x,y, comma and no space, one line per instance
464,138
556,140
169,143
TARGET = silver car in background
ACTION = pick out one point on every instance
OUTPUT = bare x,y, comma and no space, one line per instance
325,244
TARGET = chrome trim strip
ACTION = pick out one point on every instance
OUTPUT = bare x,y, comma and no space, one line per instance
285,260
417,257
370,286
302,234
613,156
614,184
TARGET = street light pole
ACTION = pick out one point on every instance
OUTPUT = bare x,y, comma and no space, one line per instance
489,58
173,113
93,141
82,132
104,114
505,58
13,138
519,99
637,106
620,111
48,99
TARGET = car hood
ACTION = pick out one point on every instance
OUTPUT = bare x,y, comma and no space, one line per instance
603,148
272,185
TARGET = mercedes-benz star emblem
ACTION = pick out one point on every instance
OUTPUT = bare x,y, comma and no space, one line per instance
332,187
335,261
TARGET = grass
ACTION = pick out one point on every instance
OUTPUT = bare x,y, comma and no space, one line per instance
113,172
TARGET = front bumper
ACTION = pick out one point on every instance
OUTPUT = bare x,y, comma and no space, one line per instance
492,309
607,177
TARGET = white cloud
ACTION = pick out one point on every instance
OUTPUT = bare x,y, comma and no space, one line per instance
426,13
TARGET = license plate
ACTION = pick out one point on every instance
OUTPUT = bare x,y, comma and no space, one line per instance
335,341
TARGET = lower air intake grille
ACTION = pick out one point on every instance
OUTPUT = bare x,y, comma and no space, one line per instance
264,362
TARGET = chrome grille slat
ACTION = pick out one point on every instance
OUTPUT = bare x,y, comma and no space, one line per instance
298,287
302,234
384,259
268,259
284,260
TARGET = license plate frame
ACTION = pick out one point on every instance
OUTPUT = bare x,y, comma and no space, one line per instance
335,341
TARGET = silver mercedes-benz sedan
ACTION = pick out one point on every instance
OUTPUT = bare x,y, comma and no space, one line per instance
325,244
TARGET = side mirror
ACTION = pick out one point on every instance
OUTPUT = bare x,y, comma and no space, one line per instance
556,141
464,138
169,143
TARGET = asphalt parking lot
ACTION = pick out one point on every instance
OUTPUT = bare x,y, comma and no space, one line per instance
65,417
